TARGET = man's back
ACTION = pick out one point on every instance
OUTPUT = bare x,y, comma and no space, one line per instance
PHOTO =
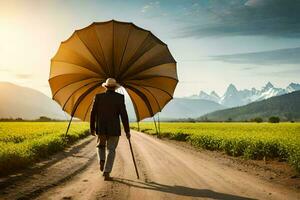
106,112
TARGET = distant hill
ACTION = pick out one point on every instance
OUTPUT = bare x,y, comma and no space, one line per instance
26,103
286,106
179,108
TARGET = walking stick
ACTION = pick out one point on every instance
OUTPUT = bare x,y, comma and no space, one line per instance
136,170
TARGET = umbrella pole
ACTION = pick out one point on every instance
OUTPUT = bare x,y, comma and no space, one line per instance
136,170
73,113
158,122
157,133
68,126
138,126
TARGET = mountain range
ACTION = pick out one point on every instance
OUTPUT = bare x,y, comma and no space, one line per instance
286,106
234,97
27,103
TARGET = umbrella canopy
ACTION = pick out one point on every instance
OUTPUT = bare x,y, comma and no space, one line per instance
139,61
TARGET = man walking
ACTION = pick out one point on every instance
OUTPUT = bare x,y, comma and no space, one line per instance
107,109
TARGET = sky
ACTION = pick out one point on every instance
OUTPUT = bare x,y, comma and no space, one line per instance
215,43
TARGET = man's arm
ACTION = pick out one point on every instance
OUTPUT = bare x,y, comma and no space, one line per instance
93,116
124,118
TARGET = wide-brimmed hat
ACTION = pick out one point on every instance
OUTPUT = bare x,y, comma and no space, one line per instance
111,83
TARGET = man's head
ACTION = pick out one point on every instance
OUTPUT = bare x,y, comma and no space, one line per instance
111,84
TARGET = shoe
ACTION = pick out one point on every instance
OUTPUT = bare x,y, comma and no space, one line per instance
102,162
106,176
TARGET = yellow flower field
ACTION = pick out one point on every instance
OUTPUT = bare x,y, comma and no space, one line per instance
22,143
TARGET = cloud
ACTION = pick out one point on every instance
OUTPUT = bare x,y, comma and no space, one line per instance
274,18
151,6
248,68
282,73
155,9
274,57
23,76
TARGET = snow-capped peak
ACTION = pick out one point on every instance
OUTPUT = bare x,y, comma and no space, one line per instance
202,93
234,97
231,89
293,87
268,86
211,97
214,94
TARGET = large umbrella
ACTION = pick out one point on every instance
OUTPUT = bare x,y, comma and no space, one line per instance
138,60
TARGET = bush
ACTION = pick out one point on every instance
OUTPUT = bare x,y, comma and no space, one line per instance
180,136
274,119
257,120
229,119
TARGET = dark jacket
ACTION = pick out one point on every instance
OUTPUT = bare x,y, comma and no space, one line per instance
106,112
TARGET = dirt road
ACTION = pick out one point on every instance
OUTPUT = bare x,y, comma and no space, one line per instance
167,170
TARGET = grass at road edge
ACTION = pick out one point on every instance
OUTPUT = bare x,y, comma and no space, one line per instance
24,143
249,140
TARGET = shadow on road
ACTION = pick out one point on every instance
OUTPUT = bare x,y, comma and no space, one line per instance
180,190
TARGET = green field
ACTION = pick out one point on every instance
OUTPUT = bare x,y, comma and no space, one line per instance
22,143
250,140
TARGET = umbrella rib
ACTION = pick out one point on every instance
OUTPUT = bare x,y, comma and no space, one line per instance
133,59
134,105
152,87
150,67
88,49
152,76
140,94
75,92
148,51
61,61
106,66
70,74
152,96
113,52
71,84
121,62
82,57
82,97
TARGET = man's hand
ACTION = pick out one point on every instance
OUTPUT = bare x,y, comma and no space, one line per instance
93,133
98,141
128,135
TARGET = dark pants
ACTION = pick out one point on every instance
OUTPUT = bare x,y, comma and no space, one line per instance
111,142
